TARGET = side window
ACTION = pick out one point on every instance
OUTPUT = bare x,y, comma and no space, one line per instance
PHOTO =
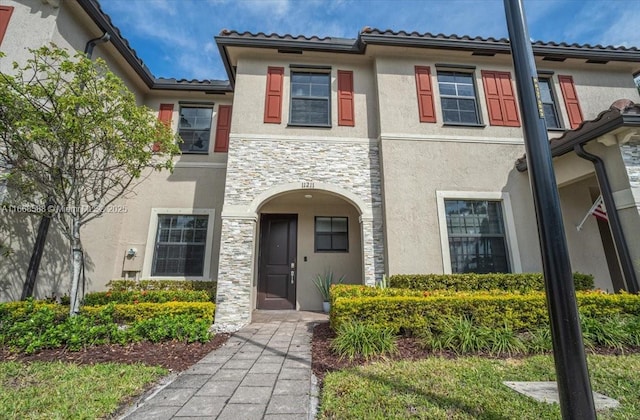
549,103
310,99
458,98
195,128
332,234
180,245
476,234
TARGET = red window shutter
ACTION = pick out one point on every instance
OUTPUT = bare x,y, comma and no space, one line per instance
165,114
571,100
501,100
223,128
273,100
345,98
426,108
5,16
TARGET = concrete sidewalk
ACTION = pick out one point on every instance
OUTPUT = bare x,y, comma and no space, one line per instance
262,372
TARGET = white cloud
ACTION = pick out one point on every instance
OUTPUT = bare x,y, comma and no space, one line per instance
623,30
183,31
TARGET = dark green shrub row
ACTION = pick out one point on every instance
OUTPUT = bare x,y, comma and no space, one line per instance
462,336
144,296
127,313
121,285
518,311
35,326
523,283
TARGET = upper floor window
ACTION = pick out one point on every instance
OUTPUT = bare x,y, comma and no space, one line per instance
195,128
549,104
458,97
477,240
310,99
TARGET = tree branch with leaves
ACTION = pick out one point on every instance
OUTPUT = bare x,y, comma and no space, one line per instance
73,136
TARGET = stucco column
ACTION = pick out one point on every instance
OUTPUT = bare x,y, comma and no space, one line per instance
622,162
628,202
372,250
235,274
631,157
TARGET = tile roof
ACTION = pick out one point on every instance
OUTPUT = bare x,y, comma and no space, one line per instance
428,40
622,112
104,22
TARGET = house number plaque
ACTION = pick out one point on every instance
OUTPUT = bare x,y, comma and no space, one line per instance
307,184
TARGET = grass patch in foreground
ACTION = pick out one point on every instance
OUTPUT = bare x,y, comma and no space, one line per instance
56,390
468,388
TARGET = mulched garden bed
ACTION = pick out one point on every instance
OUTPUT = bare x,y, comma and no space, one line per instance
178,356
175,356
325,361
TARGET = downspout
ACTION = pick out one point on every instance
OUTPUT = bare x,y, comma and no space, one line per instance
626,263
88,49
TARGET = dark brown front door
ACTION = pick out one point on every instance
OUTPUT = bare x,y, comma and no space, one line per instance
277,265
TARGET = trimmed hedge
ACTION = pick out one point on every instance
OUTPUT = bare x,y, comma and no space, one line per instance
144,296
11,311
121,285
127,313
523,283
518,311
122,313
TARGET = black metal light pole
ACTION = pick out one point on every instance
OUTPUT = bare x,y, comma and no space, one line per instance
576,398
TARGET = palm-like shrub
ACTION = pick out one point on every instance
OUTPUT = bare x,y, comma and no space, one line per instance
362,340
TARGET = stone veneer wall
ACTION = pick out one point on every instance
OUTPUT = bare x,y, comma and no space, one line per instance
631,157
233,297
257,165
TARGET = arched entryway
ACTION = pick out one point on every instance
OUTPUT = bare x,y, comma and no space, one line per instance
301,234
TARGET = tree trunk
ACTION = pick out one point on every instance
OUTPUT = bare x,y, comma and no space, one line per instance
76,259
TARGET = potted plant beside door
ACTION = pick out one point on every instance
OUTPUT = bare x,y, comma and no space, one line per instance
323,282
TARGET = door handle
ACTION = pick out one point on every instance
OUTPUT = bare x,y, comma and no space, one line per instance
293,265
293,274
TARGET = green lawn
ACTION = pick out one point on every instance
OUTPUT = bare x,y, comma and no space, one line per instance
66,391
468,388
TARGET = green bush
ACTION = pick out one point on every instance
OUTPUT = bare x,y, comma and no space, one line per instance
361,340
523,283
121,285
493,310
171,327
537,340
610,332
144,296
31,326
127,313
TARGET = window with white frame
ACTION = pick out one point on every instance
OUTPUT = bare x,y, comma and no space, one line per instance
458,97
477,232
195,128
179,242
477,242
549,103
180,245
310,99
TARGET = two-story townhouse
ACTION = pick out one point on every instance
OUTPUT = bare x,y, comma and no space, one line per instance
181,209
390,153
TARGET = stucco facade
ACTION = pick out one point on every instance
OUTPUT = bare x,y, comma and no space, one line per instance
387,164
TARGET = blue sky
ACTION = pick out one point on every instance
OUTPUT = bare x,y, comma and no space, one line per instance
175,37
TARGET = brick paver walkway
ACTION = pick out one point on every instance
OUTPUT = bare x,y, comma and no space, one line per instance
262,372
